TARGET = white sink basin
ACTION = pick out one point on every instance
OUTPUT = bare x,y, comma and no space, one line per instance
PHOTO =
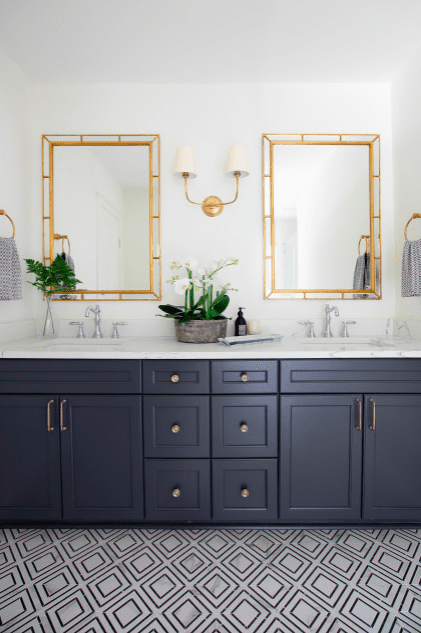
79,344
362,340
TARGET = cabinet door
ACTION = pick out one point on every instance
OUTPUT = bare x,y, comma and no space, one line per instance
29,459
321,447
392,458
101,458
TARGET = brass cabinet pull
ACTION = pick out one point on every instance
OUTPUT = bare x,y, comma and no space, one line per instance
244,428
62,427
244,493
49,427
175,428
175,378
244,377
359,427
176,493
373,424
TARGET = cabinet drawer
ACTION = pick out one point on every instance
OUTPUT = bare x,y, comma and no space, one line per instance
245,490
336,375
70,376
238,376
176,376
176,426
177,490
244,426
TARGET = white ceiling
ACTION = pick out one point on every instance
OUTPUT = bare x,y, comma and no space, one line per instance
202,41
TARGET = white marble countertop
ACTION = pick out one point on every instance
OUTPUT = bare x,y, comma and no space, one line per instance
168,347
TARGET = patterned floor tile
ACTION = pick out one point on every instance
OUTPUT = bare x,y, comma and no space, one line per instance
210,581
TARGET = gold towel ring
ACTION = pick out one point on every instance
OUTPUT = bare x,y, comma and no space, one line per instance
8,216
62,238
366,238
413,217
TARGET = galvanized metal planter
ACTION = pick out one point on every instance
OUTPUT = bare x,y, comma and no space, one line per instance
200,331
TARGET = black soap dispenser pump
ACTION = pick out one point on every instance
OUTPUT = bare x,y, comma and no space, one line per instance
240,324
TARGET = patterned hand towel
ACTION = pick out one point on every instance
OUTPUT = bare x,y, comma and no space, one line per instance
10,273
362,273
411,269
69,260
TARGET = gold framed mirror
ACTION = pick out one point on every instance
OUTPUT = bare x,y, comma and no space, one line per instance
321,216
101,212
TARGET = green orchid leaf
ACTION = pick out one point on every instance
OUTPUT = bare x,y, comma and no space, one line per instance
220,304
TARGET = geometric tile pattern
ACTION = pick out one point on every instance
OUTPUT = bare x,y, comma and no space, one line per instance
210,581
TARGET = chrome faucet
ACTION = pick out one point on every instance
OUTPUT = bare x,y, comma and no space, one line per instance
95,311
328,310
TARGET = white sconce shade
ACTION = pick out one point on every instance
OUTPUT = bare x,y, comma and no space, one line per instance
185,162
237,161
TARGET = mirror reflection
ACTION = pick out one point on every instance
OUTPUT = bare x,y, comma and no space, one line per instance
322,216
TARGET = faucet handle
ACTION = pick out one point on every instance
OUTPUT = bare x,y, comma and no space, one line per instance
81,333
345,330
311,333
115,333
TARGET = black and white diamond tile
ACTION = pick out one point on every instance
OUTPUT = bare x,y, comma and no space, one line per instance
210,581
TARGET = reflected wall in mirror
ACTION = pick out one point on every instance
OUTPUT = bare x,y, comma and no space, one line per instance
101,212
321,216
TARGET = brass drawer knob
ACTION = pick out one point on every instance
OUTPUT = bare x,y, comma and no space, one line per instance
175,378
175,428
244,428
244,377
244,493
176,493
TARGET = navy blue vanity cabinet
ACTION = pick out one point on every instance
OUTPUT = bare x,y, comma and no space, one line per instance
244,376
245,490
29,458
321,452
176,426
176,413
392,458
101,458
178,490
245,426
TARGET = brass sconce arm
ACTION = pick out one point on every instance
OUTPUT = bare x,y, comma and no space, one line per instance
212,205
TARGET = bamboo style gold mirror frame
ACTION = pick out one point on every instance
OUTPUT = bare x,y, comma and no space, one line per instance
321,205
101,203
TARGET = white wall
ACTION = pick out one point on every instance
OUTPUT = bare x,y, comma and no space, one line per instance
210,118
15,182
406,118
136,239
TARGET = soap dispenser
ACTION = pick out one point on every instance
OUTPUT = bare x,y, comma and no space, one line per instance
240,324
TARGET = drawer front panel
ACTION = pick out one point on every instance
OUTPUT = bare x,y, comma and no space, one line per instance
245,490
177,489
176,376
244,426
335,375
238,376
70,376
176,426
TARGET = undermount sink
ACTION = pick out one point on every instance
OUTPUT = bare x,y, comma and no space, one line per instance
363,340
87,345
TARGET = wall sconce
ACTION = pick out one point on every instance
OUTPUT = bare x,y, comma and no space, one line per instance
237,167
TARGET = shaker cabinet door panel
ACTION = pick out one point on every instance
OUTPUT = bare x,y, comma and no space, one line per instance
176,426
177,490
245,426
392,458
321,448
29,458
101,458
245,490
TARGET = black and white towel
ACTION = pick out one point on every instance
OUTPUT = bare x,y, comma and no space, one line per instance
362,276
10,272
411,269
69,260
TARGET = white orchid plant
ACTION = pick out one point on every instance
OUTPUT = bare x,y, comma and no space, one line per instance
214,299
